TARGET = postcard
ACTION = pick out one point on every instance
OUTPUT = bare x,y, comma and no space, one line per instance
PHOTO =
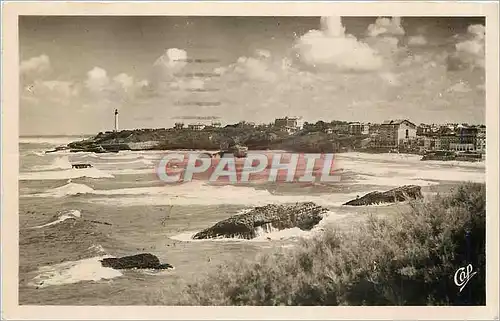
170,160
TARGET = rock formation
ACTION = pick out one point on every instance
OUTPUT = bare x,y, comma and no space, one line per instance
138,261
398,194
302,215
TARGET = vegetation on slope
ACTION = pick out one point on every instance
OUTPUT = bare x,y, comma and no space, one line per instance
311,139
407,259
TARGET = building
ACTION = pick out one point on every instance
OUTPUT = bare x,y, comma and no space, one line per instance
355,128
431,143
481,139
462,147
424,130
467,134
196,126
216,124
396,133
481,144
365,129
339,128
446,140
289,124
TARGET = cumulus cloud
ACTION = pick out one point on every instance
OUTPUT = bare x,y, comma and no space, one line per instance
165,68
469,53
97,80
173,58
418,40
262,53
171,61
123,82
260,67
255,68
37,65
54,91
386,27
331,47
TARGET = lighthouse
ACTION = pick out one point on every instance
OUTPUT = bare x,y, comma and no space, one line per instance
116,120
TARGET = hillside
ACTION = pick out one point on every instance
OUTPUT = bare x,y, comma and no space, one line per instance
211,138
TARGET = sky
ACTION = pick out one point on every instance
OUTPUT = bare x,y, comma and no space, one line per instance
75,71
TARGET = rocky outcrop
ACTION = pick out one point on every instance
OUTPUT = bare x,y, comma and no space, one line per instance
270,217
138,261
399,194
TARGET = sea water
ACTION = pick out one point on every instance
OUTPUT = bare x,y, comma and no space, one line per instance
61,245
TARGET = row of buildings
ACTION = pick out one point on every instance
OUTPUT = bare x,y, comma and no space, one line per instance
288,124
400,134
198,126
403,134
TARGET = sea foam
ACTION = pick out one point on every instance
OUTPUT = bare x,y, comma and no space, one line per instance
74,272
268,233
66,190
61,162
61,217
64,174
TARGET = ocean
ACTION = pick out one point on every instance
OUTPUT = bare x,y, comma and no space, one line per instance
69,219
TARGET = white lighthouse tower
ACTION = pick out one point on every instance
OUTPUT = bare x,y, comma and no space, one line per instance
116,120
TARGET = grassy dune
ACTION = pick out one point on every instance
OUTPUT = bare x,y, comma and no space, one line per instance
407,259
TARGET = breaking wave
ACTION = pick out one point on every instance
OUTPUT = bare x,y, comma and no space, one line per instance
267,232
38,153
64,174
74,272
68,189
197,193
61,217
192,193
61,162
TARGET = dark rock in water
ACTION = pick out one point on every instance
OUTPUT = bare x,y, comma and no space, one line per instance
302,215
399,194
138,261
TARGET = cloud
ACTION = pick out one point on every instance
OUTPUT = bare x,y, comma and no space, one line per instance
38,65
173,60
390,78
99,84
256,69
418,40
262,53
386,27
97,80
331,47
260,67
469,53
124,82
53,91
188,84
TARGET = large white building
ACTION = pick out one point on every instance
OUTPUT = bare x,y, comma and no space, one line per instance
394,133
290,124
